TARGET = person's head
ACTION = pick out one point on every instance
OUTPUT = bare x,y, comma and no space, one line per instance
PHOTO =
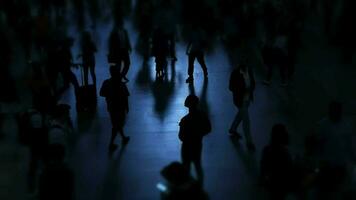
335,111
191,102
175,173
115,72
279,135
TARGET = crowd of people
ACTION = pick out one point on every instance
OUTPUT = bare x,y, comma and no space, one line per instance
40,27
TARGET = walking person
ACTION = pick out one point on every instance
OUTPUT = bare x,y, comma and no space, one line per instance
88,56
120,49
193,127
195,50
116,95
242,86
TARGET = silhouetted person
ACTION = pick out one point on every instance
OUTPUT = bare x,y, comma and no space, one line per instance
274,54
144,23
65,61
195,50
57,180
180,184
193,127
335,151
37,141
242,86
120,49
167,19
277,164
88,56
43,98
160,50
116,95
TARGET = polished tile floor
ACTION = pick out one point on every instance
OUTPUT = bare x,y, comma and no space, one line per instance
156,108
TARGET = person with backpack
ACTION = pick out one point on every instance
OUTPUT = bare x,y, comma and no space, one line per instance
193,127
116,95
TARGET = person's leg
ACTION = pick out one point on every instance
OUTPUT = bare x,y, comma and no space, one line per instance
92,73
200,58
172,46
185,159
191,59
246,126
236,122
85,70
114,130
72,78
126,60
198,166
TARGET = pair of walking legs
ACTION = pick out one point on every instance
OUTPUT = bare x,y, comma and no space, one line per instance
117,121
86,69
193,155
191,58
243,116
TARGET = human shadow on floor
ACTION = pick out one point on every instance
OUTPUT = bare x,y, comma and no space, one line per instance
204,104
162,89
111,188
248,159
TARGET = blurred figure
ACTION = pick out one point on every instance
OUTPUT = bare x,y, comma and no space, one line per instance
120,49
57,180
37,136
144,23
116,95
180,184
193,127
88,56
274,54
277,164
160,50
166,18
335,149
195,50
242,86
43,98
65,61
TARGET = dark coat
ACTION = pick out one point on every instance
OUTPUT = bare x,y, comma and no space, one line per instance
116,95
238,87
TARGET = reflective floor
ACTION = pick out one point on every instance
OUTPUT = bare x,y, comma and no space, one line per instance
156,107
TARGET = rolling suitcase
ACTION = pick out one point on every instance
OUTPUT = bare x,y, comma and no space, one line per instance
86,95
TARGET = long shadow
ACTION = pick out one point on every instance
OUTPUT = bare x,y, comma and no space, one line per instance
111,184
249,160
163,91
204,104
